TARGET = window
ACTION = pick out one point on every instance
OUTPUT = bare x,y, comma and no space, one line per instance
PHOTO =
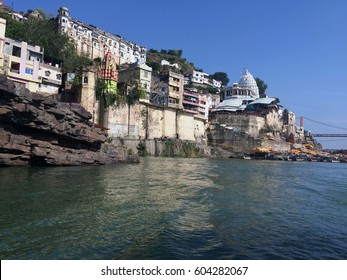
16,51
47,73
29,71
85,80
58,76
173,101
15,67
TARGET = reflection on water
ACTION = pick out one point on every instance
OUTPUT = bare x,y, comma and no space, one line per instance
167,208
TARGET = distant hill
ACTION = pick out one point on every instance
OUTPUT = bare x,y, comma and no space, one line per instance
154,59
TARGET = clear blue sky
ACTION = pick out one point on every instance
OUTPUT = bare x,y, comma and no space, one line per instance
298,47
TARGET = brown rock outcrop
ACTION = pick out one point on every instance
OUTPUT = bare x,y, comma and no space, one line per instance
37,130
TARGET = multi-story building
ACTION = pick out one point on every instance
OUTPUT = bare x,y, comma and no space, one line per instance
94,42
196,102
50,79
214,100
199,78
137,74
167,85
24,65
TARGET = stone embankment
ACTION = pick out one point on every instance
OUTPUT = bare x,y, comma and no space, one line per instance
38,130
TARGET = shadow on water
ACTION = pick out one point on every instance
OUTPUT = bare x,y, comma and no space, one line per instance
166,208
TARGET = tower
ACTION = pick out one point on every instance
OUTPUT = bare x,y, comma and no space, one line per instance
63,11
248,82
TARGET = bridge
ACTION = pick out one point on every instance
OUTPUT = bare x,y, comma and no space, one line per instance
337,135
328,135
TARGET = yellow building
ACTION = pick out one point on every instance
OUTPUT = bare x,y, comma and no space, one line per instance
167,89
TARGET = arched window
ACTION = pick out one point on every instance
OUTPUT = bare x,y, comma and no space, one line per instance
85,80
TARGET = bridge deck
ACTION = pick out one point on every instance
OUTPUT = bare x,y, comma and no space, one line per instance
328,135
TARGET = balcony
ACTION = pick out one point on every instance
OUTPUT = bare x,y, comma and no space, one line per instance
191,103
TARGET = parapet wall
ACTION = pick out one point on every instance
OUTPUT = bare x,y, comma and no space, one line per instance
151,122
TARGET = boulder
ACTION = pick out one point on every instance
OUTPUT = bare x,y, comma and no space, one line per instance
38,130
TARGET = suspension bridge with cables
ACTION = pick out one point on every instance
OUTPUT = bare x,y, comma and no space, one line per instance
328,135
325,124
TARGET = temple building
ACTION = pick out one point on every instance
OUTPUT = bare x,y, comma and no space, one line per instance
239,95
108,76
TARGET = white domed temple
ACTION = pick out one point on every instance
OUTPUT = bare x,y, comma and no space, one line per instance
248,82
238,96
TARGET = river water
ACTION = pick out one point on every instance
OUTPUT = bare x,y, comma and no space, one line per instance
170,208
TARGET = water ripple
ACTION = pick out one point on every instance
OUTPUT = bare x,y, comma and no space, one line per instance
166,208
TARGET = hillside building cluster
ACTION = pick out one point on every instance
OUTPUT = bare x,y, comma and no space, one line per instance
175,106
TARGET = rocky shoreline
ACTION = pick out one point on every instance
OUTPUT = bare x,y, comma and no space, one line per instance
38,130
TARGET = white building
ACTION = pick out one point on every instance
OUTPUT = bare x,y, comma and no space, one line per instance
51,79
94,42
198,77
203,79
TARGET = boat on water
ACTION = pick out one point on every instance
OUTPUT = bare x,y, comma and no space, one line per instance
333,159
297,158
246,156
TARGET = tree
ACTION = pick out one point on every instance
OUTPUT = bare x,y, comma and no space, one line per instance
14,29
155,65
105,95
58,48
261,86
134,95
212,90
177,53
221,76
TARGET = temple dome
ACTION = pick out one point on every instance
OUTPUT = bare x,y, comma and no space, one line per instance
247,81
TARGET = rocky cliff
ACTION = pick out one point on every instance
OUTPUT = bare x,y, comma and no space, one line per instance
38,130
